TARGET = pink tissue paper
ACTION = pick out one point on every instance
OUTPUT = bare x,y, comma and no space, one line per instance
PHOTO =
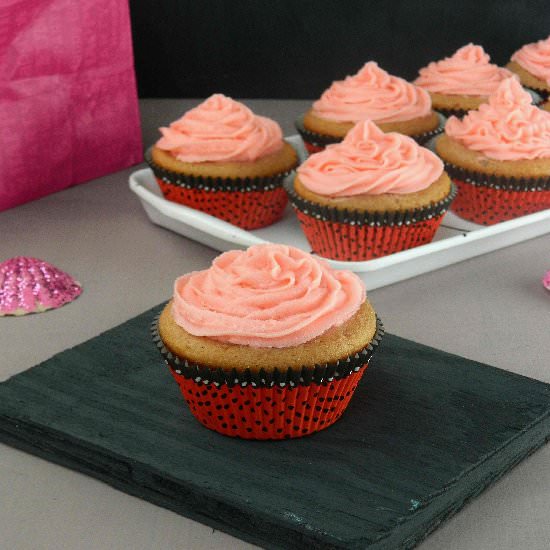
68,102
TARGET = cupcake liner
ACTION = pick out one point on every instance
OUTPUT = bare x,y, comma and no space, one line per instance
352,235
543,94
488,199
315,142
459,113
249,203
282,404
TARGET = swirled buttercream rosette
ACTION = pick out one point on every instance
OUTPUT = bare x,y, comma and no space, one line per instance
367,164
272,305
502,133
30,285
226,161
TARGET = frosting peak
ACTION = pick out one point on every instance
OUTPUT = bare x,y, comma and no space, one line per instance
267,296
372,93
369,161
508,127
467,72
221,129
535,58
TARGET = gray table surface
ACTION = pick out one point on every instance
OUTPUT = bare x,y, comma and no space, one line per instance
492,309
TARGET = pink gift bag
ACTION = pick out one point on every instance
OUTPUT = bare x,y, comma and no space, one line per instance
68,103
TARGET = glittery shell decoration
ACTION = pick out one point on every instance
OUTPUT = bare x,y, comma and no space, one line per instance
546,280
30,285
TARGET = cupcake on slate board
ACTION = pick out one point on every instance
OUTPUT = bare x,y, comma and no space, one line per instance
499,156
268,343
532,64
461,82
394,104
224,160
371,195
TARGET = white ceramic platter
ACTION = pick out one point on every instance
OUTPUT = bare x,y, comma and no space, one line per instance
455,240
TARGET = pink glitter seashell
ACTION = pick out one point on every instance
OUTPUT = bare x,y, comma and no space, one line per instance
30,285
546,280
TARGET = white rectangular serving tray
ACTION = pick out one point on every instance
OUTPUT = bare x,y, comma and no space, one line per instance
455,240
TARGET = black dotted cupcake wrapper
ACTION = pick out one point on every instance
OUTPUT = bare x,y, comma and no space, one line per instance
322,140
265,183
290,377
478,179
357,217
543,95
459,113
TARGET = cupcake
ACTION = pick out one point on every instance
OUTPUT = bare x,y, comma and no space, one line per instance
532,64
394,104
268,343
499,157
224,160
371,195
461,82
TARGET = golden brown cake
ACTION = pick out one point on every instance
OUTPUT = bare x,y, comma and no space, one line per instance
453,152
283,160
336,343
434,193
337,129
532,64
529,80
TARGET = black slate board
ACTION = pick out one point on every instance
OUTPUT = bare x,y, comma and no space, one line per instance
425,432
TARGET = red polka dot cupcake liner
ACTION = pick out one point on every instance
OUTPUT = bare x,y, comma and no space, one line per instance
350,235
249,203
279,404
486,199
315,142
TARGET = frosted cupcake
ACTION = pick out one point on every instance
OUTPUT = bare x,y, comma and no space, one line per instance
224,160
499,156
394,104
371,195
532,64
461,82
268,343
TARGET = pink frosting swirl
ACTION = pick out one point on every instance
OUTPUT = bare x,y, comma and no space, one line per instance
221,129
370,161
467,72
508,127
373,93
535,58
270,295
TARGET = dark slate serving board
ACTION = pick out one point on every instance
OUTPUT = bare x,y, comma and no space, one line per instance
425,432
